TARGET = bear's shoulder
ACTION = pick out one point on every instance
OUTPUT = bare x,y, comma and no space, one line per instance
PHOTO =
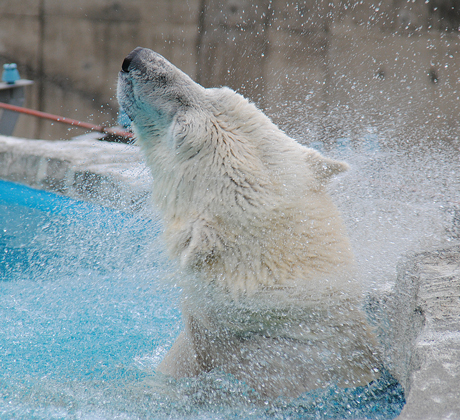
236,114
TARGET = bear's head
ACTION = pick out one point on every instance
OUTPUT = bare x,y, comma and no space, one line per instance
166,106
152,91
233,189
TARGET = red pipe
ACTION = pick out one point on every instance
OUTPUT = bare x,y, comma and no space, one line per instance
64,120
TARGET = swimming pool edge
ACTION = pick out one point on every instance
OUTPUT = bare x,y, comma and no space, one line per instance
109,174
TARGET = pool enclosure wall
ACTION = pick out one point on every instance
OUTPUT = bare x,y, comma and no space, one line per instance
317,67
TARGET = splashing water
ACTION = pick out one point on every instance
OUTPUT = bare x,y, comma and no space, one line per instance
398,200
86,318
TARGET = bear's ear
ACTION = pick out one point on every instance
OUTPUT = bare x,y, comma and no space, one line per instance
324,167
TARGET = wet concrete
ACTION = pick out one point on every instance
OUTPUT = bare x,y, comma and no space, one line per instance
109,174
422,316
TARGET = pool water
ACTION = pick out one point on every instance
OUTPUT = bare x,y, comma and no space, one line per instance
88,309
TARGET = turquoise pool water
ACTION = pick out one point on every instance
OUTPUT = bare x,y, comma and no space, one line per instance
86,316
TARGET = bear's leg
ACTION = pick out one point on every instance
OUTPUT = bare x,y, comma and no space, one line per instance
181,360
195,350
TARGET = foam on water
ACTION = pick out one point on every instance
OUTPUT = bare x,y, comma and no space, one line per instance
86,318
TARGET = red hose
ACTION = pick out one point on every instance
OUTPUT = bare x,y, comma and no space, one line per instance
64,120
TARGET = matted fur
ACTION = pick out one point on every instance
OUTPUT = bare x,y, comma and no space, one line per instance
268,291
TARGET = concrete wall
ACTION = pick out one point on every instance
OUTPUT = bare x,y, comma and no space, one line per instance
74,49
321,69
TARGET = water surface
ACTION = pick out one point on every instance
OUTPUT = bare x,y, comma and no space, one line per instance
87,312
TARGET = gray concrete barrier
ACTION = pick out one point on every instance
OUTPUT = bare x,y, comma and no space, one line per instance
109,174
419,325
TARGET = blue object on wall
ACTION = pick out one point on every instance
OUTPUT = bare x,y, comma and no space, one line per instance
10,73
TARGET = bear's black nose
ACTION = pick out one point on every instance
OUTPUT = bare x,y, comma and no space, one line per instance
129,58
126,63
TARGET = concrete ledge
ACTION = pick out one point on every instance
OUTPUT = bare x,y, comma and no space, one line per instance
419,325
109,174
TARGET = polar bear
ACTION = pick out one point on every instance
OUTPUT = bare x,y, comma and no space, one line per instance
266,268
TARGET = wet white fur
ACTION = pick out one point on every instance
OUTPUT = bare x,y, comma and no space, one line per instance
248,217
